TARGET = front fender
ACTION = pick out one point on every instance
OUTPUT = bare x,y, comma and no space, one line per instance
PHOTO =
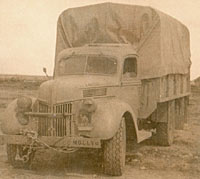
9,122
107,118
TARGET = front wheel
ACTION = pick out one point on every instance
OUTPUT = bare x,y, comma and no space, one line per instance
18,156
115,151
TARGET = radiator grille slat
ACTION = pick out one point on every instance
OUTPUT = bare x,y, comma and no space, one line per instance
55,126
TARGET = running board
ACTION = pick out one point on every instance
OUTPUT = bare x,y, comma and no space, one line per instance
143,135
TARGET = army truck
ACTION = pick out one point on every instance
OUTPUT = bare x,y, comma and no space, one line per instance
121,73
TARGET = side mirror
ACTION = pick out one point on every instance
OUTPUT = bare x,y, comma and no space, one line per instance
45,71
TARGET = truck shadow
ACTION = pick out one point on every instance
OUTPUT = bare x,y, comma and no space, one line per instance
83,163
78,164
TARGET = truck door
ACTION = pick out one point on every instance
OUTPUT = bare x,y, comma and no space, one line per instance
130,84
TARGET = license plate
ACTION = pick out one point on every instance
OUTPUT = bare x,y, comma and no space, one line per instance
85,143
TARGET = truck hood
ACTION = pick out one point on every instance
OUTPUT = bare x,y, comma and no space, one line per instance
71,87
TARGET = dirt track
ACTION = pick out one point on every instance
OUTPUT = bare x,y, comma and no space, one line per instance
180,161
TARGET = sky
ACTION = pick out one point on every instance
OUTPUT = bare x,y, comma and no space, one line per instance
28,31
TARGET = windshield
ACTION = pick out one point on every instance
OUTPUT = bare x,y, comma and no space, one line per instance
82,64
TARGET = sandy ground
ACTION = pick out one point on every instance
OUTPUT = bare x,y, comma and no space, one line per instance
179,161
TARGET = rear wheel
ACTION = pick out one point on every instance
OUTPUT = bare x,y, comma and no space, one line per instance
115,152
164,134
165,130
18,156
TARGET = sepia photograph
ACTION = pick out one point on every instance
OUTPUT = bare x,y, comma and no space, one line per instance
99,89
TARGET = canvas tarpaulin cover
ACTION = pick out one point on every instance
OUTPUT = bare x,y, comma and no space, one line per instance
162,42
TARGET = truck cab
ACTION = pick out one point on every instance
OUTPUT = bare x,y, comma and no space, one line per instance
102,76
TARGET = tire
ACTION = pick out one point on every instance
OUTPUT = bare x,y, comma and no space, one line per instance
165,130
165,133
114,152
14,150
179,123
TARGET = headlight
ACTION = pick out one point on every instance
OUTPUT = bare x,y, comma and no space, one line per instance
88,106
84,118
23,105
22,118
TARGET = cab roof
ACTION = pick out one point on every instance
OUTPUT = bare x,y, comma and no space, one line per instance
117,50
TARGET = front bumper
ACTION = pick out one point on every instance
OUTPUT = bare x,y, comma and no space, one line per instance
68,142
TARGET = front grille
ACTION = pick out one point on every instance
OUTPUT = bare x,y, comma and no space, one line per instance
63,108
43,108
56,126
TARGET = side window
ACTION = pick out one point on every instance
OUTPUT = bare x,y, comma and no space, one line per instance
130,67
